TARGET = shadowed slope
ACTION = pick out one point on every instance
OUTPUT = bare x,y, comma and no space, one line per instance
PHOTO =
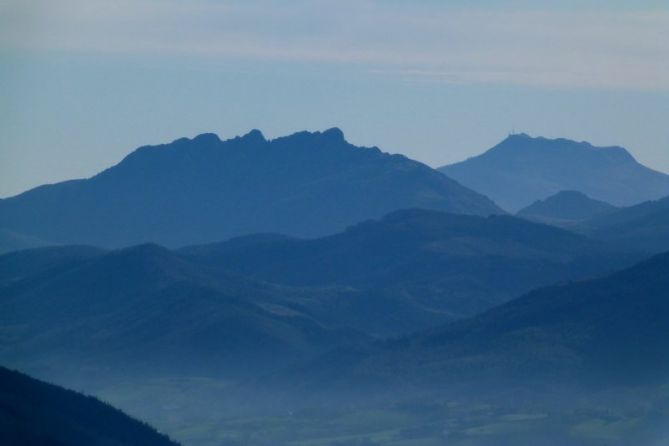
34,413
598,333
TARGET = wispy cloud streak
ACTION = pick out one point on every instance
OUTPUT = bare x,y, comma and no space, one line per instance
622,49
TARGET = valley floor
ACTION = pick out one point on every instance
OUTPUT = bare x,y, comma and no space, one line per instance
420,422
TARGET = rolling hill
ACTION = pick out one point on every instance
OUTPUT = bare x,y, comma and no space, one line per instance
644,226
521,170
264,301
204,189
146,310
450,265
565,208
183,338
596,334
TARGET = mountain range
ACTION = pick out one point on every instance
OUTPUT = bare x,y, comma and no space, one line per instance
643,227
204,189
445,264
589,335
146,309
273,299
521,170
302,290
87,317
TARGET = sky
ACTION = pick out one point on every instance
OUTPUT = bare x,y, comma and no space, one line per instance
84,82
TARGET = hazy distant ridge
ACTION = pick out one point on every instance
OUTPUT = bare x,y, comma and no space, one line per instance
521,170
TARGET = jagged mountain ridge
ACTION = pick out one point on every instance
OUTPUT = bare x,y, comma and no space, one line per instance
204,189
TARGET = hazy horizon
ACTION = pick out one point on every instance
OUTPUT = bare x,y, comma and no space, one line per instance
84,83
268,137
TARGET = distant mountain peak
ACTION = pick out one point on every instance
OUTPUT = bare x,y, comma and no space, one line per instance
334,134
564,207
517,136
522,142
204,189
207,138
620,152
522,169
254,136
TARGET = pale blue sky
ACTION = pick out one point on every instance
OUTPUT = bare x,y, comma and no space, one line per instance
84,82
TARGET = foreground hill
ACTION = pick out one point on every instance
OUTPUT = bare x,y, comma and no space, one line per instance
565,208
644,226
34,413
204,189
593,334
446,264
521,170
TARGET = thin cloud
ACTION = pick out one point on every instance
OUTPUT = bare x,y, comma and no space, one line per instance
620,49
